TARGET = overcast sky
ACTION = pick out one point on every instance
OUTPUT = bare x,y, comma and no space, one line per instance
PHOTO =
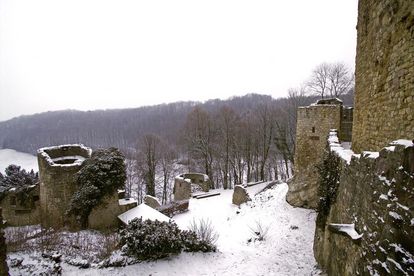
96,54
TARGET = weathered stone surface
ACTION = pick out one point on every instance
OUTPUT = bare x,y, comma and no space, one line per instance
240,195
18,213
3,249
384,88
182,189
313,125
199,179
377,195
105,215
175,207
57,183
152,201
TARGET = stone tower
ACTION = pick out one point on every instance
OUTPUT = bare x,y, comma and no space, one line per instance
384,74
57,167
313,125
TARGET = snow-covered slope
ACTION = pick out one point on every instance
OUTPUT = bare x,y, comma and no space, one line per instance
286,250
24,160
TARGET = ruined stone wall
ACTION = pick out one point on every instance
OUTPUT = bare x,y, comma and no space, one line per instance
313,125
200,179
3,250
384,90
57,167
182,189
376,194
18,214
105,215
345,132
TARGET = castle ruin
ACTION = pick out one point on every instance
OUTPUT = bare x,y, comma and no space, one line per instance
183,182
57,167
313,124
367,228
384,74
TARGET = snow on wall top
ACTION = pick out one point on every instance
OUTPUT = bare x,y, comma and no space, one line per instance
143,211
127,201
54,162
403,142
182,178
335,146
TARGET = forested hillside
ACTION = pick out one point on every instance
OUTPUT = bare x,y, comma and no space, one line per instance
119,127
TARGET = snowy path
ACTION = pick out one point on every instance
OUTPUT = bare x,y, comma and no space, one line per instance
285,251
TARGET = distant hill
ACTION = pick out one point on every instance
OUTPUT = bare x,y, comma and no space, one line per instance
117,127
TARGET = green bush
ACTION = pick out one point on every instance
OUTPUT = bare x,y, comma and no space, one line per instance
329,171
101,175
150,240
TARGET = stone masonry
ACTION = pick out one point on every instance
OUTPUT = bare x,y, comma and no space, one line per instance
183,182
313,125
384,88
57,167
3,249
376,188
376,194
17,213
182,188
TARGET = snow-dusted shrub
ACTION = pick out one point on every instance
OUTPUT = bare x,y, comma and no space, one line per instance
204,230
192,243
101,175
21,180
329,171
259,230
149,240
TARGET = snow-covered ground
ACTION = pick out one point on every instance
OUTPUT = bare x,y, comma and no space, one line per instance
24,160
286,250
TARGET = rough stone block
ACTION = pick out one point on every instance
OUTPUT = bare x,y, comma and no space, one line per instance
240,195
152,201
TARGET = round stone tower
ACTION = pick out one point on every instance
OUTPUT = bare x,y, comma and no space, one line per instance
57,167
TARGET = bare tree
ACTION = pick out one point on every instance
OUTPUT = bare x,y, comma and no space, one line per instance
148,158
167,161
200,136
227,124
333,79
340,79
265,136
319,80
132,176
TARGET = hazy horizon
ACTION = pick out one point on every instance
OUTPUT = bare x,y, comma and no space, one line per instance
89,55
134,107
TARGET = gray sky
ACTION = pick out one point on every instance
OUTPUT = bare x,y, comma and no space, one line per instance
97,54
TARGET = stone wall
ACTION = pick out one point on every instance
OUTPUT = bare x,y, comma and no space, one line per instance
105,215
18,213
384,90
57,167
182,189
3,249
345,132
199,179
313,125
376,194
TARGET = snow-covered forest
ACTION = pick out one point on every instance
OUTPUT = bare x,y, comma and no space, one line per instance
238,140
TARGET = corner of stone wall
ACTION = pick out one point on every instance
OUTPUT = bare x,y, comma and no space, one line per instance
376,194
